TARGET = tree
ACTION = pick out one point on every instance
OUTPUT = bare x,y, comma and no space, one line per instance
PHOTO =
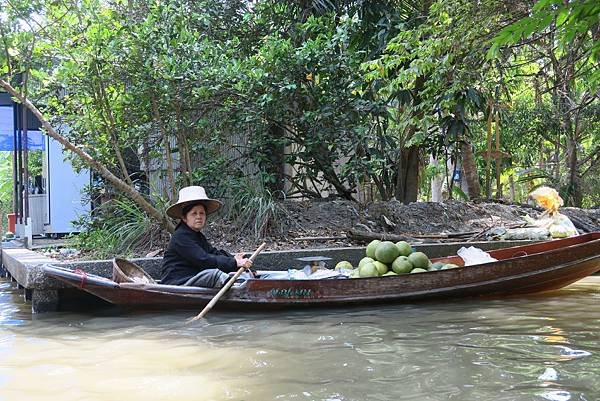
25,53
431,74
562,38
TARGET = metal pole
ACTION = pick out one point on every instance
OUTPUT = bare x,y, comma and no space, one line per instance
15,162
25,167
21,183
19,148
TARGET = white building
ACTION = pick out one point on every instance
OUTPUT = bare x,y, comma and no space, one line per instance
47,203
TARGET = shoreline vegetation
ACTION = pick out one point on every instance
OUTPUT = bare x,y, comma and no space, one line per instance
341,223
265,101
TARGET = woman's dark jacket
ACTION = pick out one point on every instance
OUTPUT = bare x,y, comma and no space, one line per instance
189,253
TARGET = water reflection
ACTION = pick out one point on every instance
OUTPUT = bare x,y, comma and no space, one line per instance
556,395
11,305
519,349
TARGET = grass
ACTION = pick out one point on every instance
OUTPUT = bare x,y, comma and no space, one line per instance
254,208
117,229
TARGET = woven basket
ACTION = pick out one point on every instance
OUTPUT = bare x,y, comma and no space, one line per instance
125,271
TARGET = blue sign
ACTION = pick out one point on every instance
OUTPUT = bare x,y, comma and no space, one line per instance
35,141
35,138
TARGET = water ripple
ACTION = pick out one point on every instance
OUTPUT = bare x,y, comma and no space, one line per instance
538,348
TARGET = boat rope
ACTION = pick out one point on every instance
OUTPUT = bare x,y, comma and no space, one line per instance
518,254
83,277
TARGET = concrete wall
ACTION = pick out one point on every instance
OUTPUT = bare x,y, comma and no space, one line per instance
283,260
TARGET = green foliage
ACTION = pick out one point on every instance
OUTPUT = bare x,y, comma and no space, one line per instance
253,208
431,76
6,188
305,89
561,37
116,229
566,21
459,193
341,93
6,184
590,189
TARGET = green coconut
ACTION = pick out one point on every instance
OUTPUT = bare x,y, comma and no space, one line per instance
419,259
404,248
365,260
344,264
368,270
386,252
382,268
436,266
401,265
372,247
418,270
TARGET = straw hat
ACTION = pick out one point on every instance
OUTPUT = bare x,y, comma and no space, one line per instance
190,195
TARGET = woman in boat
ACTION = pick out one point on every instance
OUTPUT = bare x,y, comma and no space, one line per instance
190,260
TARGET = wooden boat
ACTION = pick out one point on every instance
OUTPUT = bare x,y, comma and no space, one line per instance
125,271
524,269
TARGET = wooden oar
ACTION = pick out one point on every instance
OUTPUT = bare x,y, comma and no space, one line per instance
225,287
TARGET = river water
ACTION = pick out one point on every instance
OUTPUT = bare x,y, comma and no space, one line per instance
531,348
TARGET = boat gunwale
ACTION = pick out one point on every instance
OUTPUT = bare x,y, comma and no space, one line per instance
243,293
156,288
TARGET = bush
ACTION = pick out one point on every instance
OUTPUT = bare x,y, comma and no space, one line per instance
252,207
118,228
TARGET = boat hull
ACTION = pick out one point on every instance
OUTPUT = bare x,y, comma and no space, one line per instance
520,270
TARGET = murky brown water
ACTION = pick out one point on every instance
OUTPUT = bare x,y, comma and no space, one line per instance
536,348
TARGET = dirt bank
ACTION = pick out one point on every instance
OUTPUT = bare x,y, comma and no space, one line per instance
315,224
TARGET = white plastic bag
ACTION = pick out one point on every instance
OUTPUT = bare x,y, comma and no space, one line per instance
562,226
527,233
308,274
474,256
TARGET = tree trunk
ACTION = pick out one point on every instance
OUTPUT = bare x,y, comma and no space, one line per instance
406,188
119,184
436,182
563,96
575,196
470,170
498,159
511,187
407,180
324,163
488,155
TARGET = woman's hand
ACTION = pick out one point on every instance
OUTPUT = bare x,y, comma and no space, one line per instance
242,261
